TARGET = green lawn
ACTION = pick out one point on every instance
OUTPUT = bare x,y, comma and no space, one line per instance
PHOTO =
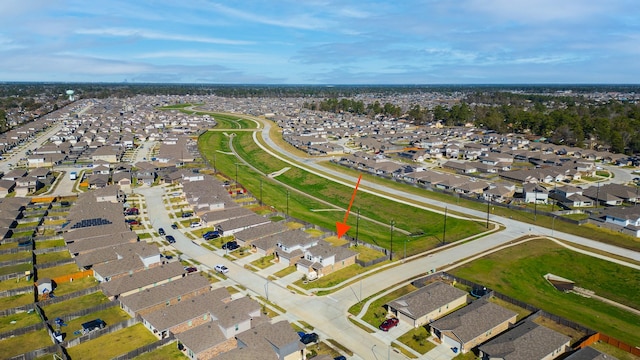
52,257
110,316
9,302
338,277
417,339
377,313
20,268
406,218
24,343
518,272
50,243
19,320
15,256
264,262
58,271
167,352
75,304
114,344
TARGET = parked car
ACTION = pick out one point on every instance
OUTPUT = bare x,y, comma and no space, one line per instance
132,222
170,239
211,235
341,357
196,224
309,338
230,245
190,269
174,226
221,269
161,232
187,214
389,323
131,211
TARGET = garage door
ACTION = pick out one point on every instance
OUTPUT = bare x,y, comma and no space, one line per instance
450,341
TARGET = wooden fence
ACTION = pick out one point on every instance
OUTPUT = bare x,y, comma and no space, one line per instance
74,276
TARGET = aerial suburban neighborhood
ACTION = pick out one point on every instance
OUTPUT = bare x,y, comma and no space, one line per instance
202,227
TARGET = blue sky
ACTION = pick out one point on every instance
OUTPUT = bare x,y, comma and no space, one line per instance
321,41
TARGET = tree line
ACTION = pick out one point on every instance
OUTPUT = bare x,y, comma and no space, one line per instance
570,120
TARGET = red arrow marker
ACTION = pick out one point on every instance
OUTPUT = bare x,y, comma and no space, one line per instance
342,227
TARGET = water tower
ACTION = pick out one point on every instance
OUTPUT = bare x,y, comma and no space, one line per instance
70,93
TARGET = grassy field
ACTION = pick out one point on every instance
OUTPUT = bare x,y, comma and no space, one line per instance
588,231
24,343
75,304
58,271
16,256
518,272
114,344
110,316
300,205
21,320
52,257
167,352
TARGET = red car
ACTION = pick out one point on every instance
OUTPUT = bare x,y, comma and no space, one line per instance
389,323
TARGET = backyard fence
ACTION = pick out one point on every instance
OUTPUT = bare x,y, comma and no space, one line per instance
97,333
147,348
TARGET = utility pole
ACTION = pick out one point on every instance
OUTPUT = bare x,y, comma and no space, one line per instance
260,191
535,203
287,203
488,205
444,231
393,222
236,174
215,170
357,226
597,195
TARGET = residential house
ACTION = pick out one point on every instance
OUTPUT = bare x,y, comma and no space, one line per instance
627,218
323,259
204,342
426,304
171,293
534,193
571,196
472,325
589,353
527,340
461,167
131,258
269,339
142,280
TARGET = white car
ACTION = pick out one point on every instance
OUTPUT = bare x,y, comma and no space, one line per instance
221,269
196,224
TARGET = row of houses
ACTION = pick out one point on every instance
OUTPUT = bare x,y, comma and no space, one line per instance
212,203
465,325
169,301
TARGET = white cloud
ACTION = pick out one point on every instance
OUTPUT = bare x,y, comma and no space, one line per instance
153,35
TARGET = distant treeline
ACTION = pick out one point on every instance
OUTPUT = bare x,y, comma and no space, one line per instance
570,120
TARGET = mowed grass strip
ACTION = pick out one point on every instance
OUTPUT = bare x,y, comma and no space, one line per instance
114,344
430,225
518,272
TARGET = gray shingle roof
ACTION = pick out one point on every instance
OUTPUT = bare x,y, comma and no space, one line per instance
427,299
526,341
473,320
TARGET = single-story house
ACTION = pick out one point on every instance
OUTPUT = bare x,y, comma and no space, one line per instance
427,303
473,324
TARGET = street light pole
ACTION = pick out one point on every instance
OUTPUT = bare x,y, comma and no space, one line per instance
236,174
358,223
393,222
444,230
488,205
